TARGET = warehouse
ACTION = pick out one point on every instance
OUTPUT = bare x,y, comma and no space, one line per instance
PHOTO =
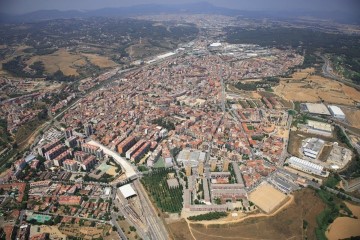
306,166
336,112
315,108
319,128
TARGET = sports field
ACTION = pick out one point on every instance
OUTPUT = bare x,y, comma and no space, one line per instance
267,197
40,218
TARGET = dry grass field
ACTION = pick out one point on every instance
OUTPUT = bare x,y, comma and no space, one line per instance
179,230
345,227
100,61
60,60
267,197
306,206
352,116
69,62
304,86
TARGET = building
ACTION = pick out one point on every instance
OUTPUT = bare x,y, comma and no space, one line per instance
134,148
58,161
89,163
306,166
226,165
312,147
42,150
40,184
227,191
154,156
24,232
68,132
71,142
88,129
70,165
212,165
192,157
80,156
319,128
141,152
336,112
54,152
127,191
126,144
70,200
188,170
201,169
315,108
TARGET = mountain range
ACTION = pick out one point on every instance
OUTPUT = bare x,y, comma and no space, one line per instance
153,9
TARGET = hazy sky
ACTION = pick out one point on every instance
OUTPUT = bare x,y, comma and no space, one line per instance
22,6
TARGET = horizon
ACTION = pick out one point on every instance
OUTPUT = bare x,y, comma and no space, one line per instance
19,7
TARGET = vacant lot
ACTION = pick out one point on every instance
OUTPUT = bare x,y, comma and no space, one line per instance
352,116
313,88
345,227
180,230
267,197
306,206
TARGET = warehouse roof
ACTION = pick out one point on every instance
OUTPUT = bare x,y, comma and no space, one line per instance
336,110
127,191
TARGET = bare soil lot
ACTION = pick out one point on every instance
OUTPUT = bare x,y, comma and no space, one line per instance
306,206
352,116
180,230
345,227
304,86
267,197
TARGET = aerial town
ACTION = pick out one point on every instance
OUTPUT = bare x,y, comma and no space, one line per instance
206,132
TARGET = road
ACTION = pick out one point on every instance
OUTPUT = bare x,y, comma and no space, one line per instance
126,166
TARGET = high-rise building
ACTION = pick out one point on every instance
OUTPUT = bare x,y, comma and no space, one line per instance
201,168
226,165
188,170
68,132
88,129
213,165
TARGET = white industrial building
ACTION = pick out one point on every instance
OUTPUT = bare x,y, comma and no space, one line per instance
319,128
312,147
127,191
306,166
315,108
336,112
191,157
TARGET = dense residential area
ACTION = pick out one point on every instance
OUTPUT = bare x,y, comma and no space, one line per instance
158,125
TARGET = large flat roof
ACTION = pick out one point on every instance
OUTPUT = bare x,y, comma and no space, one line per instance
127,190
317,108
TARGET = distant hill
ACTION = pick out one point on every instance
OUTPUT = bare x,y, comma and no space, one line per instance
153,9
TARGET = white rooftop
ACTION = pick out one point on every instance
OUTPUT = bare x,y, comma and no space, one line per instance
127,190
317,108
336,110
216,44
